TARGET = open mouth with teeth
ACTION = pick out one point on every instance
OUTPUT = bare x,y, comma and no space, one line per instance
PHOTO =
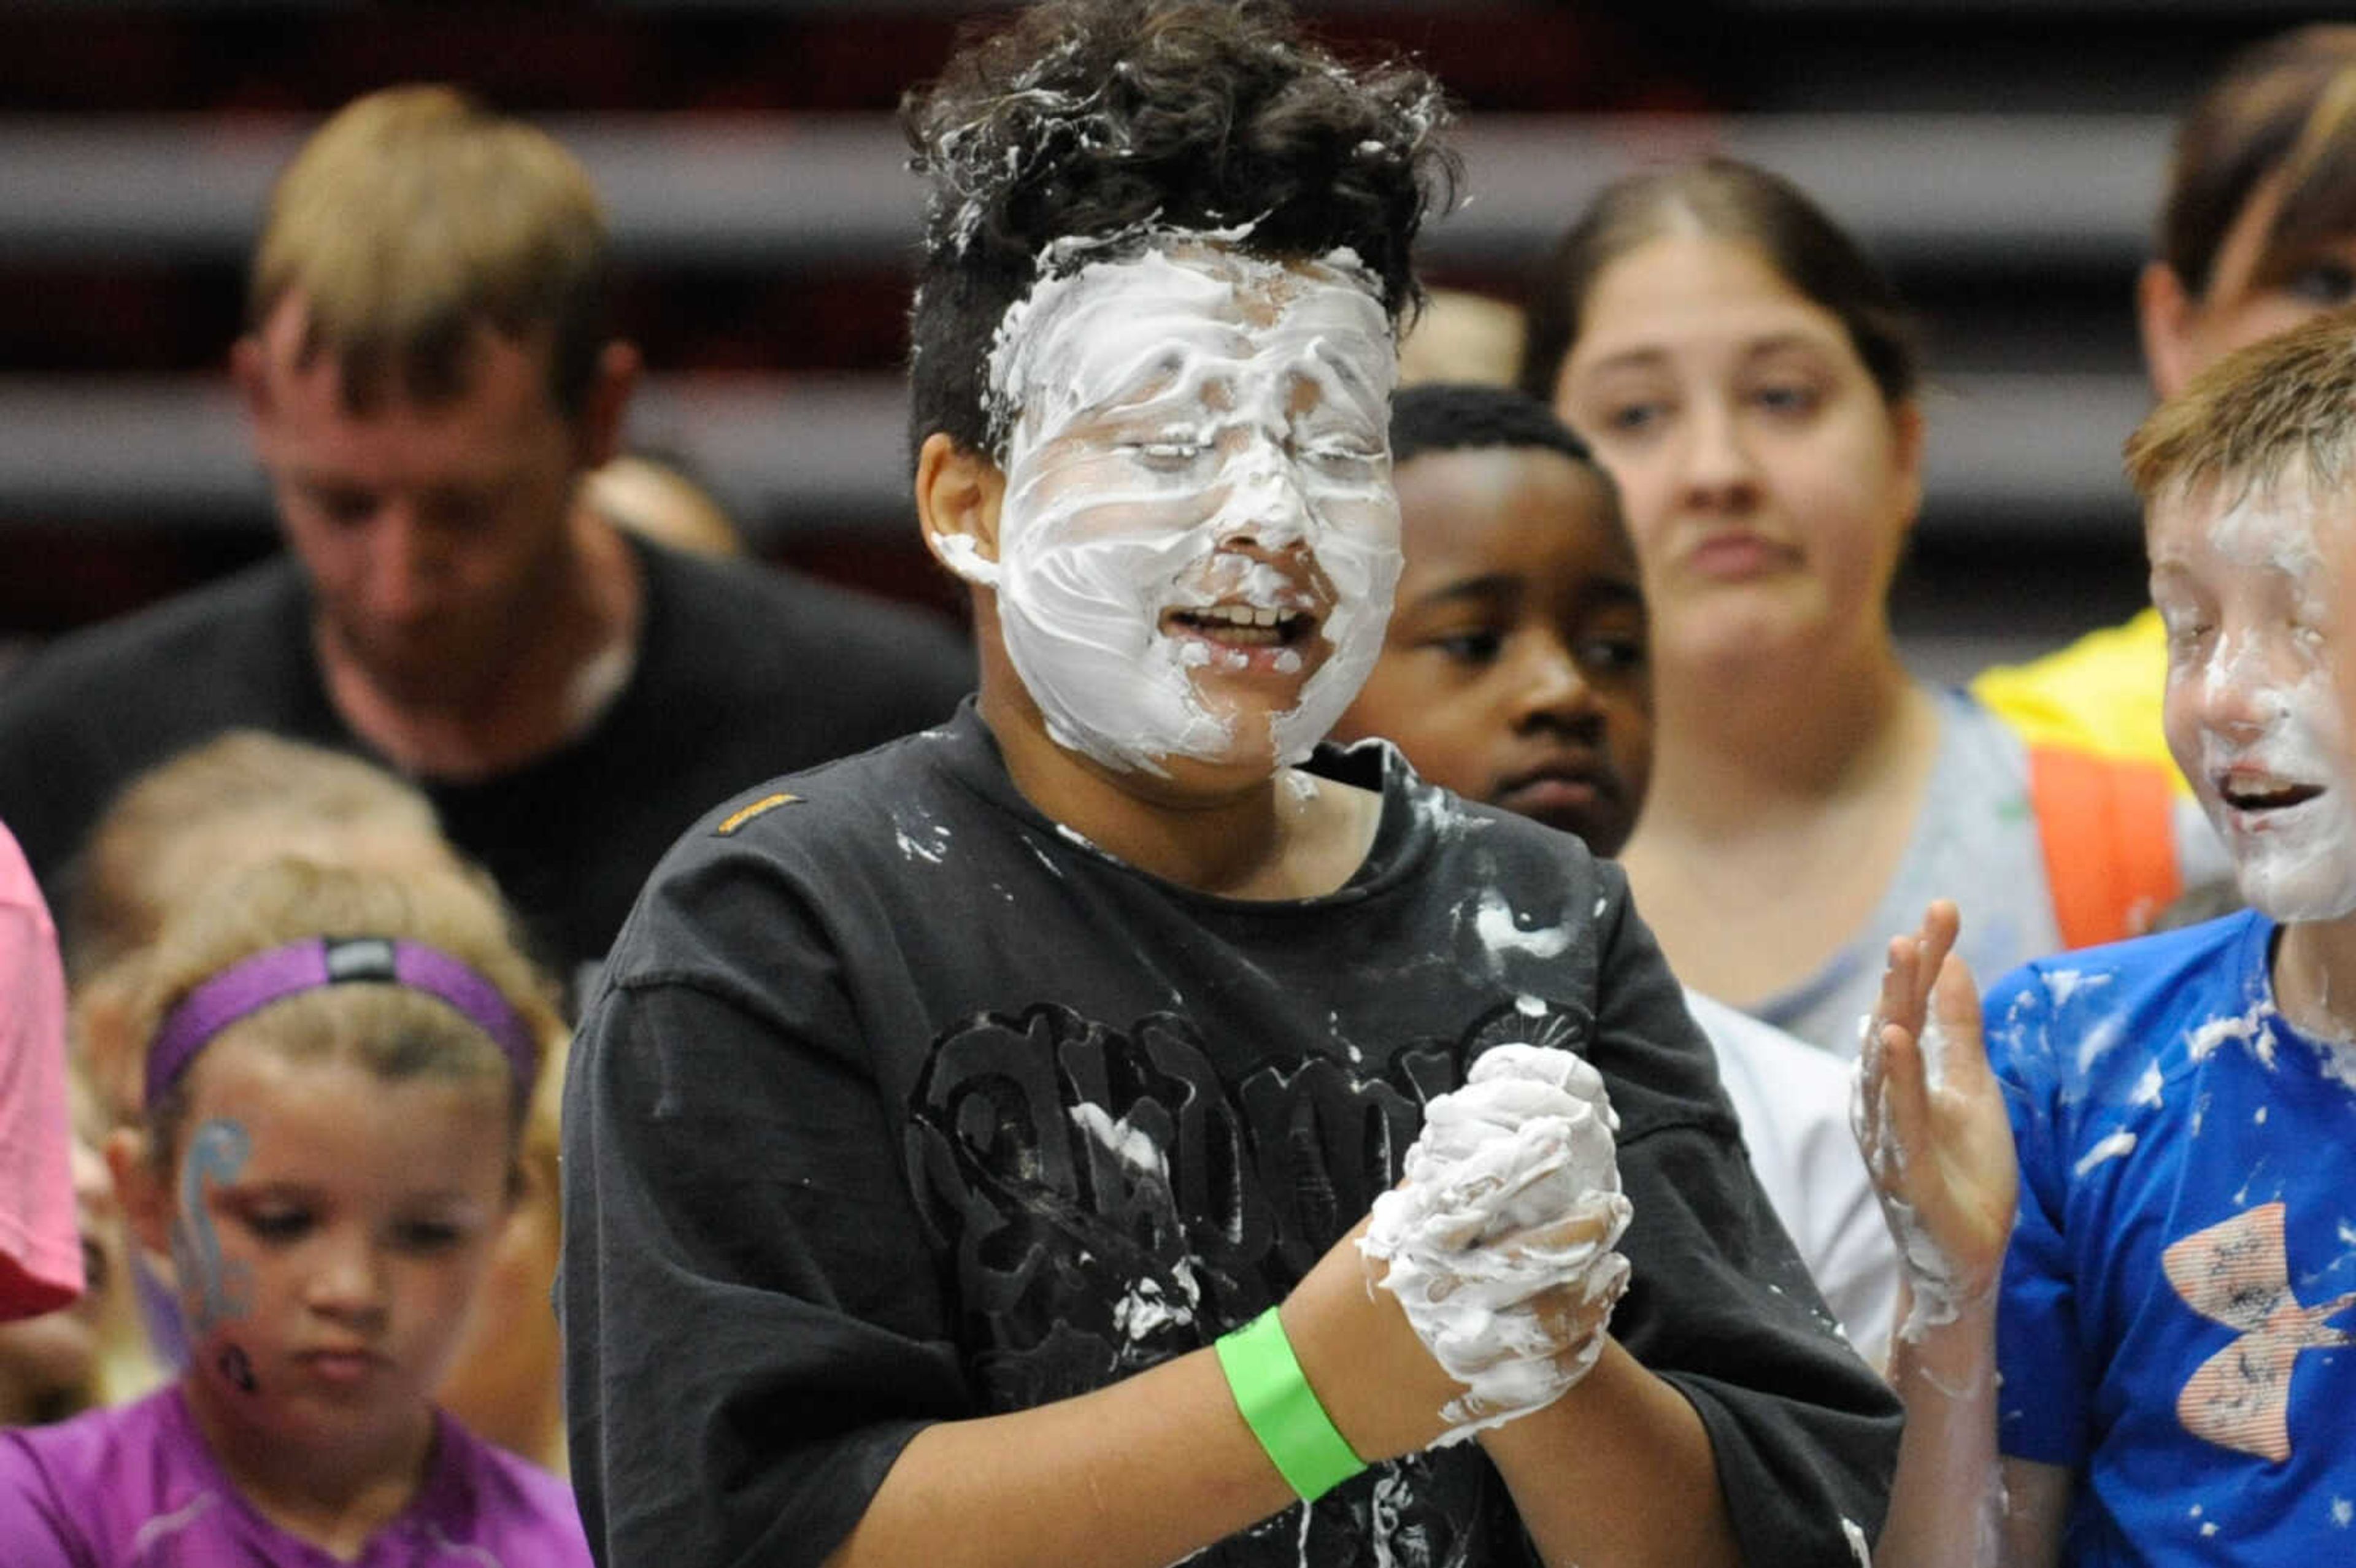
1241,626
2251,795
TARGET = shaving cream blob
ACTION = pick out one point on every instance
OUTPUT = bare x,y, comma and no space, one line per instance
1512,1193
2254,702
1189,427
1934,1285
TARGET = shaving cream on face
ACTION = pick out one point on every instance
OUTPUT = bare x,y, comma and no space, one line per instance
1195,427
1510,1209
2253,700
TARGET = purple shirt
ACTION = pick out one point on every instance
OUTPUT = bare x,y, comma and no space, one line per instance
136,1488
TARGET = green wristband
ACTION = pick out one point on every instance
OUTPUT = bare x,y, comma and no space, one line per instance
1281,1409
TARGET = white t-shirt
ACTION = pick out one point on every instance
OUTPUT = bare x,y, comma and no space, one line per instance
1792,1100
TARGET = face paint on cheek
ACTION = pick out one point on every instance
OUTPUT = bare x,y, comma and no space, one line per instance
237,1369
1197,431
217,1151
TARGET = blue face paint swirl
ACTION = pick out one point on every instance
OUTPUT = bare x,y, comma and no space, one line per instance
217,1152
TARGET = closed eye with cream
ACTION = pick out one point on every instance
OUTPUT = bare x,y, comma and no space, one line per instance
1199,541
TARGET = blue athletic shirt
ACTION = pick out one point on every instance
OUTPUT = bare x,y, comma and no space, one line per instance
2180,1290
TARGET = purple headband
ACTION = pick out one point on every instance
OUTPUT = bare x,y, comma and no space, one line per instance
252,984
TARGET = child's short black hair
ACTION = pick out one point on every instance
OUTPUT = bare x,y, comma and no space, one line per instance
1471,416
1103,118
1450,416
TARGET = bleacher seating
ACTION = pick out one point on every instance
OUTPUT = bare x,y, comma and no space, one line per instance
2002,157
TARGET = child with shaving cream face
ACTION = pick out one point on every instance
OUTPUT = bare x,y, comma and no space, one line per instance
2146,1364
993,1119
1195,555
2250,589
1197,540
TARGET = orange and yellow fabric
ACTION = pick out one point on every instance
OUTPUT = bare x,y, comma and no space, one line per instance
2101,694
2101,779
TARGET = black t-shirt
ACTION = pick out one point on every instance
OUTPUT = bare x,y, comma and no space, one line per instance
741,673
899,1104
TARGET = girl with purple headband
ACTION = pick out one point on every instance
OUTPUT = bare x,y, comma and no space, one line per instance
337,1066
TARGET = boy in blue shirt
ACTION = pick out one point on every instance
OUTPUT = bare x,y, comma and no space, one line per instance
2170,1335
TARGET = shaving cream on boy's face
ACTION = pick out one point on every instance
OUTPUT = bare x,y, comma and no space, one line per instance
2255,711
1199,540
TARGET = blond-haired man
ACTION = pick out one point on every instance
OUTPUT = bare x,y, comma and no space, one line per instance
428,373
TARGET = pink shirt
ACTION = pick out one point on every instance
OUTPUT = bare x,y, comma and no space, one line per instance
40,1242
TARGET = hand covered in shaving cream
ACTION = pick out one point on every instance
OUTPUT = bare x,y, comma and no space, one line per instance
1929,1118
1499,1240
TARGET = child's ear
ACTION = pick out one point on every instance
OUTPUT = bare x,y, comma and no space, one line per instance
144,1193
958,495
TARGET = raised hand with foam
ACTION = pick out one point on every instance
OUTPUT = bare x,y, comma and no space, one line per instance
1499,1240
1930,1122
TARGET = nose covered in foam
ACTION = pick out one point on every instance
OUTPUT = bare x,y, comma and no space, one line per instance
1199,542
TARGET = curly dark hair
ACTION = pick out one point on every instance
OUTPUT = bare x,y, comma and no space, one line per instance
1104,119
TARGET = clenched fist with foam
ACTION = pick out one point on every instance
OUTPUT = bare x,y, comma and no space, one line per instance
1500,1239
